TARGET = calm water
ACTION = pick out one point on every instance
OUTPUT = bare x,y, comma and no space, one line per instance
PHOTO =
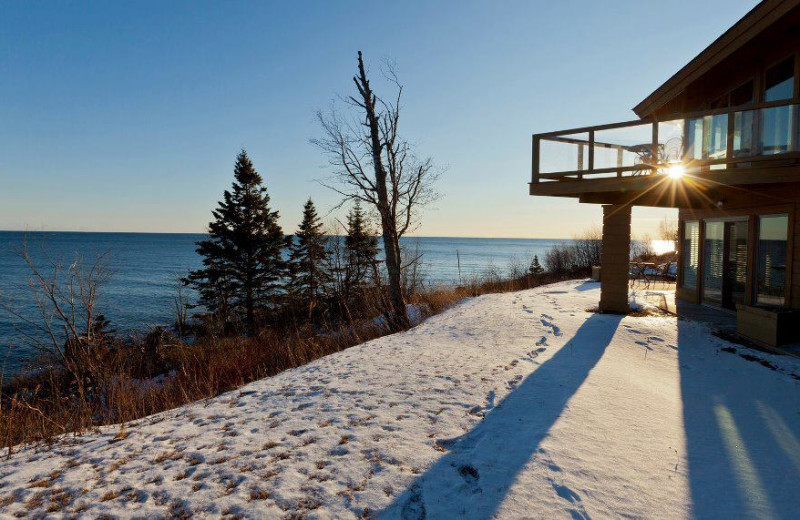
144,268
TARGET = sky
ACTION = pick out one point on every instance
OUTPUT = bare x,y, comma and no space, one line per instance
127,116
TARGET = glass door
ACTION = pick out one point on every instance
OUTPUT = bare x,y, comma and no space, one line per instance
735,283
713,260
725,263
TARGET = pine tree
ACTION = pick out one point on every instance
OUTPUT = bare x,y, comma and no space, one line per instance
536,267
361,249
242,263
309,254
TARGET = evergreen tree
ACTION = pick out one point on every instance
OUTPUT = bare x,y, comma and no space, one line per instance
535,267
242,263
309,254
361,249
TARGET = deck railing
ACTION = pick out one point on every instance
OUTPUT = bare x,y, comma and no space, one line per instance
739,137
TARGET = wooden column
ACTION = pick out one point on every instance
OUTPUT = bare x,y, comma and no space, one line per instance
615,259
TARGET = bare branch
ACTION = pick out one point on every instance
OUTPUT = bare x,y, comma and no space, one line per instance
372,163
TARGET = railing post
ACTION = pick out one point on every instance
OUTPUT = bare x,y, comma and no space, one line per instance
729,143
580,161
535,159
590,170
655,148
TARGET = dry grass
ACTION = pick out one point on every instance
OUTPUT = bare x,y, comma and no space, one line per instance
109,495
42,408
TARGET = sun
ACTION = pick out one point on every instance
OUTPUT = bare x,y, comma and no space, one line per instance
676,171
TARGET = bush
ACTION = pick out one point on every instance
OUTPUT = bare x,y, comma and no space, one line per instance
576,258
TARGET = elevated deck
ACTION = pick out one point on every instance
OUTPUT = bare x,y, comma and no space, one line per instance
677,162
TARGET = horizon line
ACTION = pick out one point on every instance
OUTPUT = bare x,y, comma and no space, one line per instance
289,234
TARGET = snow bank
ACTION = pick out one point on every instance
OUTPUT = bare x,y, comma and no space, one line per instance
512,405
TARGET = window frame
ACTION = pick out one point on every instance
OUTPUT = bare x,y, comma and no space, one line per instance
793,57
757,260
682,258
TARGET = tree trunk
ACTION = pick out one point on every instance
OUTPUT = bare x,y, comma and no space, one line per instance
398,318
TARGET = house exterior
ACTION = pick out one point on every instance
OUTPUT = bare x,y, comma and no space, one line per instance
720,140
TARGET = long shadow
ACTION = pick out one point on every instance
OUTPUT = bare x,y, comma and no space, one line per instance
742,425
588,285
484,463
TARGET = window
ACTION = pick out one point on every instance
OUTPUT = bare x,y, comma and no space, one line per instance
777,129
713,261
707,137
779,81
773,231
691,251
742,95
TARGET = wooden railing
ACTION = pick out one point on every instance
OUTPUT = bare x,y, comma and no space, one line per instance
761,135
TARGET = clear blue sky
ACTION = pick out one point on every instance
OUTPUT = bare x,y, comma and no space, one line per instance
127,116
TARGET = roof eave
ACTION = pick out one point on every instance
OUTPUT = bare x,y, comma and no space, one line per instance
749,26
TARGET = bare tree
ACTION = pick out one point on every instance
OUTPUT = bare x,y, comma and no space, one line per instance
180,305
668,229
69,329
375,165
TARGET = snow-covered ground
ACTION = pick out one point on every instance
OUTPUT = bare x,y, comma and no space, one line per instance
510,405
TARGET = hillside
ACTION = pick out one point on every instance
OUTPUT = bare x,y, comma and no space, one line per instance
520,404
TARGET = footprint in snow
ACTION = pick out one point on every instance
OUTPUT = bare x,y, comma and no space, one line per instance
414,507
555,328
533,354
541,341
470,476
577,511
513,382
477,410
490,399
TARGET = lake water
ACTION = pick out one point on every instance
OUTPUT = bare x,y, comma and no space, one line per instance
145,267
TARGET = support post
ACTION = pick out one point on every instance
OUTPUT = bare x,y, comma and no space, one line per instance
615,258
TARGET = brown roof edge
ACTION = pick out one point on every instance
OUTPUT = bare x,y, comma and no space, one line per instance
750,25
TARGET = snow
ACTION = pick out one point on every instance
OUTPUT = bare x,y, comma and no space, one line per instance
515,405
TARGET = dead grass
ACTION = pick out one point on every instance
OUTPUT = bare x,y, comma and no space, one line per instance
109,495
47,406
270,444
258,494
167,455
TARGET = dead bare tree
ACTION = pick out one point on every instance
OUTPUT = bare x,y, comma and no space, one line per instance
373,164
668,230
69,328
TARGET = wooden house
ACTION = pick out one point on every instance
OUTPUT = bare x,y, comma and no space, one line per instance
720,140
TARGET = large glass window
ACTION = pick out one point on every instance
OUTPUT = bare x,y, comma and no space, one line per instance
773,231
779,81
777,129
707,137
713,261
743,133
691,252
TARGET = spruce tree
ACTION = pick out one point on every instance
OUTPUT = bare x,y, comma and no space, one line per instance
309,253
242,264
535,267
361,249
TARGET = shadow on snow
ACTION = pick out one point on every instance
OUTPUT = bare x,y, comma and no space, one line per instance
484,463
742,423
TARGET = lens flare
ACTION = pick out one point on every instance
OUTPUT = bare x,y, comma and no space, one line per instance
676,171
